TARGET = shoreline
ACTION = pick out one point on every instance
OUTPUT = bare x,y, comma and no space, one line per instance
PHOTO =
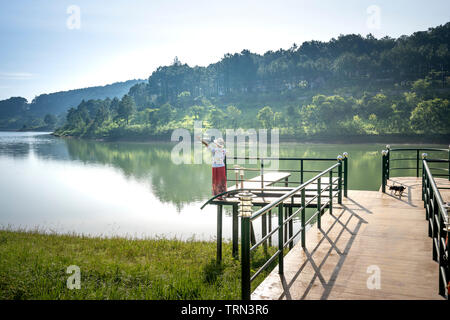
348,139
437,139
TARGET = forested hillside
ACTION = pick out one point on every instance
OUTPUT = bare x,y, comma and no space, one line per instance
16,112
352,85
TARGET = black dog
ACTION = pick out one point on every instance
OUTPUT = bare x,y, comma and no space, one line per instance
398,190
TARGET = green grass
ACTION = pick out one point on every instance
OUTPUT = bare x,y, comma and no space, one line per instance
33,266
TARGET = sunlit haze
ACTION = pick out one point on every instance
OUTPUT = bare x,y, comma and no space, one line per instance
122,40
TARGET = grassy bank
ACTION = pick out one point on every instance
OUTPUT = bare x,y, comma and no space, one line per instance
33,266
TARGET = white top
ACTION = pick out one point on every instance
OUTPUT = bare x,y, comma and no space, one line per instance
218,156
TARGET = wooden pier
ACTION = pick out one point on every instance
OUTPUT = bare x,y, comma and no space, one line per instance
357,244
373,246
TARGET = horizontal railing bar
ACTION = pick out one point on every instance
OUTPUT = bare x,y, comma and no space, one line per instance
264,238
397,159
420,149
280,158
265,265
310,218
292,216
437,160
292,238
296,190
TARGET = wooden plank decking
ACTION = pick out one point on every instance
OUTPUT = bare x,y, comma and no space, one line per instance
370,231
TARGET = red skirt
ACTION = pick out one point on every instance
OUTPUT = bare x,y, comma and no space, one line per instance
219,180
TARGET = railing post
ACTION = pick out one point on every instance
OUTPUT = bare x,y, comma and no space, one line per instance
345,154
303,219
270,226
301,171
245,212
319,205
423,181
245,257
388,162
262,173
291,226
442,263
235,227
435,232
339,158
264,230
219,234
383,170
331,192
280,239
417,163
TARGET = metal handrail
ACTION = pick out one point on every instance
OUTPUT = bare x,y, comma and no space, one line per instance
386,160
437,216
435,189
302,171
289,194
283,221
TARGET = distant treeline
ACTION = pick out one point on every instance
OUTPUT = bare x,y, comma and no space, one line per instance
351,85
45,109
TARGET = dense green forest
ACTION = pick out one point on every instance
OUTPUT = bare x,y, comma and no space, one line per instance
352,85
48,110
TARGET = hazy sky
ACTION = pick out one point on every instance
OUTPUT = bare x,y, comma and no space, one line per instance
46,48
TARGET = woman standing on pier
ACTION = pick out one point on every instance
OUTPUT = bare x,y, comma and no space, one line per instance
219,174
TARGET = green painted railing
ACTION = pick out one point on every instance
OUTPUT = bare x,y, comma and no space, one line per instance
438,224
332,190
302,162
386,168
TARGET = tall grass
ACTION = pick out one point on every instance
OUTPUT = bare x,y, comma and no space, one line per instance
33,266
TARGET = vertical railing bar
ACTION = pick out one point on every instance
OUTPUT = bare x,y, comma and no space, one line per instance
270,227
319,205
280,239
264,230
219,234
417,163
331,192
301,171
235,227
345,174
340,183
303,219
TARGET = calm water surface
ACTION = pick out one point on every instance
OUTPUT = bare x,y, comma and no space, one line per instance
131,189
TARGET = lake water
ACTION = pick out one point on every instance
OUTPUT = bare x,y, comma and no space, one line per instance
131,189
